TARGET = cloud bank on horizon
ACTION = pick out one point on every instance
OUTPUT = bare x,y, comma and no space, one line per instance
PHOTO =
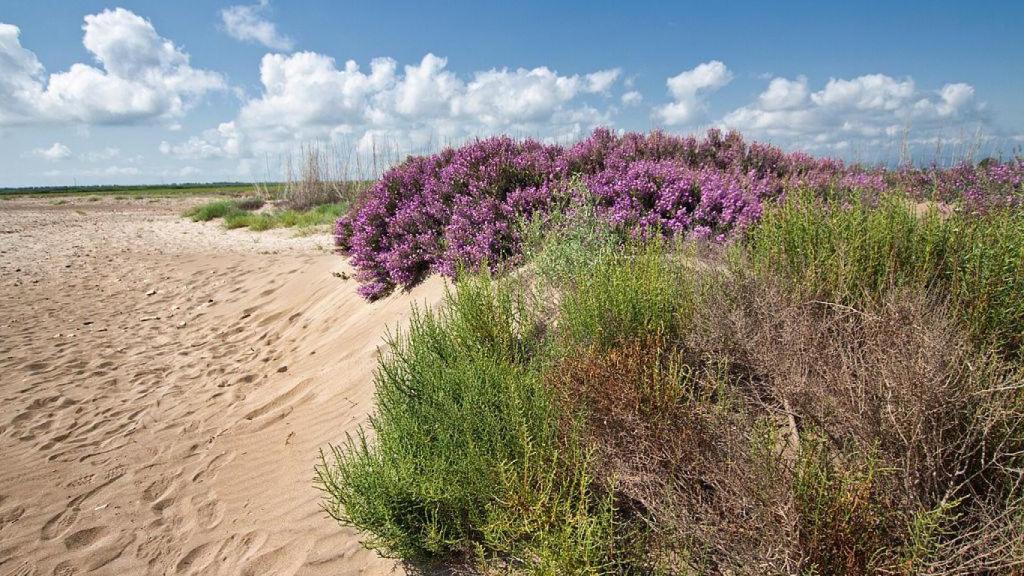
140,80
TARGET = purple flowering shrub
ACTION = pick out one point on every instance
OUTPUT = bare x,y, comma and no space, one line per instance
455,208
983,186
462,207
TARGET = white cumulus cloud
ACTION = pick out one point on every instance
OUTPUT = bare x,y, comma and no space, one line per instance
307,95
499,98
307,89
689,89
869,92
632,98
247,24
783,94
426,89
142,76
602,81
56,152
866,111
222,142
20,73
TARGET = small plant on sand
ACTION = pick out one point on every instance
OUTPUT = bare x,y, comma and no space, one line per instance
245,213
211,210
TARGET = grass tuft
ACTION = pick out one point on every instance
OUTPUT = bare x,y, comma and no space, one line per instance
241,214
626,294
211,210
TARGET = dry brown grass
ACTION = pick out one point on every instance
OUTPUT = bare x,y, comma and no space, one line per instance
323,175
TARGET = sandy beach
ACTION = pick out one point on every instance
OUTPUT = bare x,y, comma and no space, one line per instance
166,387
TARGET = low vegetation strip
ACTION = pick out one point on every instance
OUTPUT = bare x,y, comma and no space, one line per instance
836,389
145,191
318,197
244,213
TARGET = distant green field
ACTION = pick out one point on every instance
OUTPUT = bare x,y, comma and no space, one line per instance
151,191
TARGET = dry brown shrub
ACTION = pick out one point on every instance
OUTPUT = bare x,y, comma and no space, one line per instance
674,446
786,437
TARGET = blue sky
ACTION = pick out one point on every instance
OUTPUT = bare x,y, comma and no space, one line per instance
149,92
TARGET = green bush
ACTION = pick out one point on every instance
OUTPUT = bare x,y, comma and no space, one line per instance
211,210
633,292
843,525
458,404
565,246
854,253
249,203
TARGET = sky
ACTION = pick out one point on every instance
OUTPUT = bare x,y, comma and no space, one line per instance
162,92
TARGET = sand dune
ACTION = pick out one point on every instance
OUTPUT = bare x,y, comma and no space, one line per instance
166,387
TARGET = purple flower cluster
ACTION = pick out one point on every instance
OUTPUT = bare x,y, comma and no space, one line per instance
460,207
979,187
455,208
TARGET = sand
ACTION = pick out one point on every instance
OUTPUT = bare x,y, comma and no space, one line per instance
165,387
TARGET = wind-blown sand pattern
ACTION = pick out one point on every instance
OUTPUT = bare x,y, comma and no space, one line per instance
165,387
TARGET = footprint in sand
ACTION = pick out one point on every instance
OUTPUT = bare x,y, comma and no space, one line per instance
36,367
157,488
65,568
239,548
197,558
246,379
115,472
285,401
7,554
104,555
11,515
164,503
283,561
209,515
60,523
85,538
158,543
81,481
210,470
153,548
23,569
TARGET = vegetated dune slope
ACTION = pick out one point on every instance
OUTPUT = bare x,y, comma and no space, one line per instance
165,388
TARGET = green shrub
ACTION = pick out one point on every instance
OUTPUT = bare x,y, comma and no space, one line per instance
815,408
238,219
470,457
633,292
553,520
458,404
565,246
852,254
844,525
249,203
211,210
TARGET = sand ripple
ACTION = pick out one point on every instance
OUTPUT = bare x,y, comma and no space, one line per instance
165,387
